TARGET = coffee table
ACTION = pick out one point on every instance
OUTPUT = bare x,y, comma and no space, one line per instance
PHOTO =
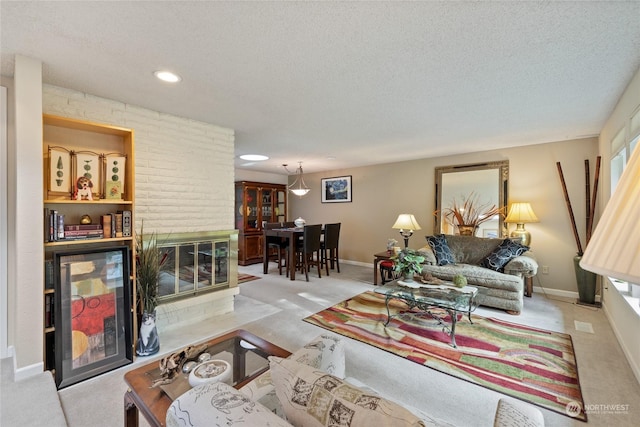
246,352
426,297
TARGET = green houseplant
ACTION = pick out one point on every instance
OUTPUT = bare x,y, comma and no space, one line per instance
408,262
149,259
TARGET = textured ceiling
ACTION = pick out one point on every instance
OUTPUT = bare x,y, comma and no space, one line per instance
359,82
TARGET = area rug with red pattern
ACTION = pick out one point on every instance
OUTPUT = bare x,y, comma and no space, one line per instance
531,364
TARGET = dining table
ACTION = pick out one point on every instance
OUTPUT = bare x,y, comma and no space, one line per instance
292,235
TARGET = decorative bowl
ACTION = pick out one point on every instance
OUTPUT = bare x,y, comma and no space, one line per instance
213,370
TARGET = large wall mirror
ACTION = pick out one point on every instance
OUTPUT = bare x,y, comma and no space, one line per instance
488,182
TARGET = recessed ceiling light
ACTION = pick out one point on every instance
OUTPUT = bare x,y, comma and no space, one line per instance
167,76
254,157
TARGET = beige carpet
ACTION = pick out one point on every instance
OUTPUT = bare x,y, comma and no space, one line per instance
275,309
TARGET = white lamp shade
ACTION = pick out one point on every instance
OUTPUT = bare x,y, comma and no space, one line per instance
521,213
614,248
406,222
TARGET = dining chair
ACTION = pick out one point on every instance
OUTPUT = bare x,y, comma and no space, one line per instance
276,246
329,246
308,251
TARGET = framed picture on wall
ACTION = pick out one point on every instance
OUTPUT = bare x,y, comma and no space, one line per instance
92,312
337,189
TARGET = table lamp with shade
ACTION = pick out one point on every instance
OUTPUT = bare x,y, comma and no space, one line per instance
520,214
407,224
614,247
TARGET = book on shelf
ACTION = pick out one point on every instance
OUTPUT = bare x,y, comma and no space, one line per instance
83,232
48,274
85,237
77,227
113,225
52,224
47,225
48,310
126,223
60,229
106,225
118,224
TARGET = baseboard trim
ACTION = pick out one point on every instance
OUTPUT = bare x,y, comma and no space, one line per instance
20,374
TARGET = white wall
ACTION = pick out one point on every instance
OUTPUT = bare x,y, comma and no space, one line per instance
25,220
3,224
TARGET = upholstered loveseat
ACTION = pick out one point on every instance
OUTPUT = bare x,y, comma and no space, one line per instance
308,389
496,266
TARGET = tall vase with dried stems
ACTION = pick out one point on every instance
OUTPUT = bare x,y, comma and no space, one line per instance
469,214
585,280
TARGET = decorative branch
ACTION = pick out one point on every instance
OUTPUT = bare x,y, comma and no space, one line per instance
592,208
587,199
570,209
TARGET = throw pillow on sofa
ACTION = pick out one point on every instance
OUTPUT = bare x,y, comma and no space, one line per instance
505,252
313,398
324,352
214,404
441,249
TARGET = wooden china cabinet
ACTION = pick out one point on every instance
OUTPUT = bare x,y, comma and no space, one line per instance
257,203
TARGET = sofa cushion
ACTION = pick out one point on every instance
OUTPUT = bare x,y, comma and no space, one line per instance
476,276
441,249
505,252
313,398
427,253
325,352
218,403
470,249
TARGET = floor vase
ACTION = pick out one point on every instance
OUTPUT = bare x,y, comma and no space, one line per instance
586,281
148,341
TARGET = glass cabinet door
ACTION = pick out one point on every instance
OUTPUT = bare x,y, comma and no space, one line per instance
251,208
266,198
281,206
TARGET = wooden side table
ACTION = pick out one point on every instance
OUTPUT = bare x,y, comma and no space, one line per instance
528,286
380,256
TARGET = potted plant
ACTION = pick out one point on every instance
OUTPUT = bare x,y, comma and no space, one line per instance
149,259
470,214
408,262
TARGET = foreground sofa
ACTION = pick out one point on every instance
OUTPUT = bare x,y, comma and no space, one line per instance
308,389
497,267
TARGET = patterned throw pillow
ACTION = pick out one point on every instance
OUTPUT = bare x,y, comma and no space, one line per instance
325,352
313,398
441,249
217,404
504,253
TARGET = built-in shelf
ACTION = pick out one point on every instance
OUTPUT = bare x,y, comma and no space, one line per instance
87,241
88,202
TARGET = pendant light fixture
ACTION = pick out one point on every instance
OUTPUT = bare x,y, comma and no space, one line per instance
299,188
